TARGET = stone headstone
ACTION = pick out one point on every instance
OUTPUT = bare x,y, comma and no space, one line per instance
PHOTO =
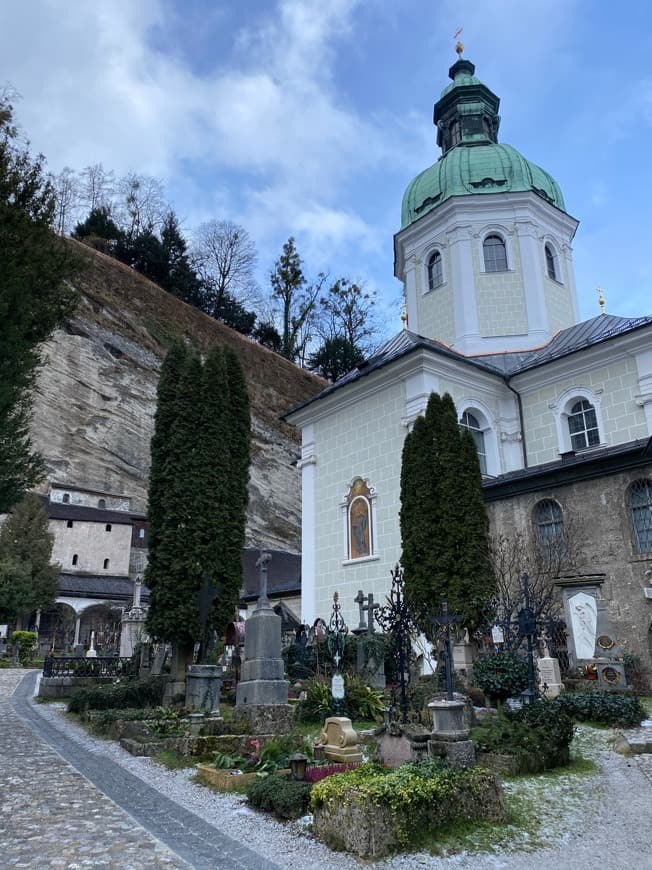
550,676
92,652
340,741
203,686
450,736
584,620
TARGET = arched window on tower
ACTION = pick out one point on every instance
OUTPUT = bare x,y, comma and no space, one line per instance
66,498
583,425
106,564
640,506
359,520
101,503
470,422
551,262
435,271
75,559
495,254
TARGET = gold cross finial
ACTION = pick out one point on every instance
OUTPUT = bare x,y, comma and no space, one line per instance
601,300
459,48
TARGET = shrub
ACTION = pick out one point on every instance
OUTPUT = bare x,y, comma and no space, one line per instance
26,640
501,675
360,701
284,797
606,708
540,730
415,793
142,693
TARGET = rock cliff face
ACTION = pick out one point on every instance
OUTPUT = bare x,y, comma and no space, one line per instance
95,398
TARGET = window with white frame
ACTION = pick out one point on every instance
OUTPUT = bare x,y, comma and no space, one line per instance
552,263
435,270
583,425
471,423
549,523
495,254
639,500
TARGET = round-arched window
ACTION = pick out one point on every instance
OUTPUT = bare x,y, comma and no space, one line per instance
583,425
435,271
640,506
551,263
549,522
471,423
495,254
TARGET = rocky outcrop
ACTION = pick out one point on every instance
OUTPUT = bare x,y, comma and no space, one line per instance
95,397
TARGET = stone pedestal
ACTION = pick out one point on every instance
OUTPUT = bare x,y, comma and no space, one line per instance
399,744
132,631
550,676
450,737
340,741
262,679
203,687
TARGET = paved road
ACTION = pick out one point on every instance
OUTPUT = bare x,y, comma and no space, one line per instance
64,806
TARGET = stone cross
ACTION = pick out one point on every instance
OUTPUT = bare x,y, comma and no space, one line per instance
369,608
263,561
137,591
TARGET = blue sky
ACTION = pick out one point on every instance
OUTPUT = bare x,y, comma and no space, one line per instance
309,117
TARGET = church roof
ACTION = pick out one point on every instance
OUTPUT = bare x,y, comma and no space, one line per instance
111,587
564,342
472,161
504,365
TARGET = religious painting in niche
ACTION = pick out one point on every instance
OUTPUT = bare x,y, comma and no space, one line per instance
359,520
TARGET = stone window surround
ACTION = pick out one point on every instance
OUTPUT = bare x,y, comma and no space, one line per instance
556,521
638,555
503,234
561,409
345,505
488,428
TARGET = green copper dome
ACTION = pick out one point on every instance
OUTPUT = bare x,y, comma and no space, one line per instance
467,121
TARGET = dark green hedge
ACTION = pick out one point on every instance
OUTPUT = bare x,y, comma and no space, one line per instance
143,693
286,798
605,708
542,730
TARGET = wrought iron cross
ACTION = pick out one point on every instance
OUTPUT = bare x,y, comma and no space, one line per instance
442,623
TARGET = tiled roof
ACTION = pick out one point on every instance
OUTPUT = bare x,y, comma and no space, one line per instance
283,573
112,587
59,511
504,365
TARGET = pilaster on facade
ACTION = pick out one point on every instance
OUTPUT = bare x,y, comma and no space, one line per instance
532,282
644,397
307,465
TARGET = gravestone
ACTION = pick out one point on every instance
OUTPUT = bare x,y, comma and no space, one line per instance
132,627
203,687
340,741
262,693
550,676
450,734
374,670
92,652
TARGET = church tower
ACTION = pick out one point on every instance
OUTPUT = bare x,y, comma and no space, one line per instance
484,250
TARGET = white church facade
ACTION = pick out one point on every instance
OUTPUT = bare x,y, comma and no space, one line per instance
561,411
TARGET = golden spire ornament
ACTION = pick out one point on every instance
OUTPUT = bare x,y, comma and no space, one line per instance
404,315
459,47
601,300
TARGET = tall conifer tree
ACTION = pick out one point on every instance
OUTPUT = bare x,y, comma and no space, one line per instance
444,526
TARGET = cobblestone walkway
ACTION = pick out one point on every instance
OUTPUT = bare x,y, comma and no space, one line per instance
63,807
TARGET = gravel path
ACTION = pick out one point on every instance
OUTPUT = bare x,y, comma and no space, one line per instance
587,822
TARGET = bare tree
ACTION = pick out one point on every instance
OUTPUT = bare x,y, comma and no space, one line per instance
225,257
66,188
347,313
97,187
544,562
142,205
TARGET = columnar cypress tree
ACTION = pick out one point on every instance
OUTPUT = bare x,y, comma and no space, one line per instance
444,525
198,492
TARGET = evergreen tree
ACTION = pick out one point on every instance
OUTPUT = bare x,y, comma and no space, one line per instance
335,358
35,296
444,526
198,492
296,299
28,579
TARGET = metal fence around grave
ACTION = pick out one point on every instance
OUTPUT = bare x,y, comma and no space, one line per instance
102,666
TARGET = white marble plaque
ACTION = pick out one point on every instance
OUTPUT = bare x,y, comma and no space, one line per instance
497,634
337,687
584,620
550,676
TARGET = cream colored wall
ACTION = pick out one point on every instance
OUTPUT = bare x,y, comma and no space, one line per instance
92,544
500,296
623,419
436,308
365,440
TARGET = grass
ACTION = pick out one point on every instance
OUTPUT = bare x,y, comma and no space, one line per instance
174,760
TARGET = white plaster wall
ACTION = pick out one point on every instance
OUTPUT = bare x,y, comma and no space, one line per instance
92,544
616,384
89,499
500,296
